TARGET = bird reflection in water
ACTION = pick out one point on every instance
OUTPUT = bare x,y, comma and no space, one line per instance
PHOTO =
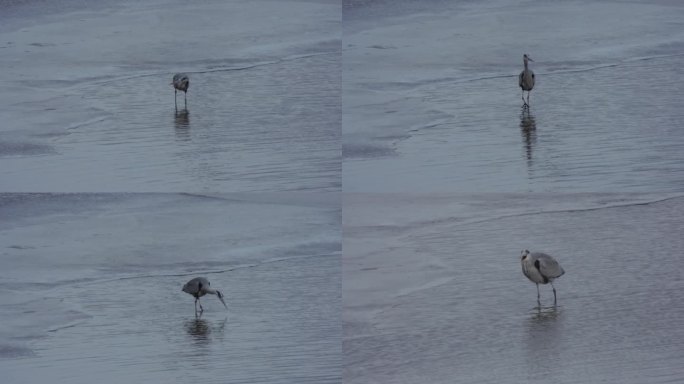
528,129
543,341
182,124
201,329
198,328
544,314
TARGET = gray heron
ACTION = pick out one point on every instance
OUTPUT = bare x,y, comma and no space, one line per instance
526,80
181,81
541,268
198,287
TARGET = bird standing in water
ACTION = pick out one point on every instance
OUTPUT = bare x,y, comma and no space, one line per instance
541,268
526,80
198,287
181,81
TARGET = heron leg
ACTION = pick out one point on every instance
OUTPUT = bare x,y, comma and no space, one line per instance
538,293
528,97
522,96
186,99
175,98
554,294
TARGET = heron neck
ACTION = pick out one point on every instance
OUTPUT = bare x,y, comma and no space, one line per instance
525,61
210,291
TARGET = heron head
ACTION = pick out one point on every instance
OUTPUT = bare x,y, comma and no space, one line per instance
524,254
526,57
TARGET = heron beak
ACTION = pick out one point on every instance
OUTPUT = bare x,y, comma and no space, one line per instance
530,59
220,296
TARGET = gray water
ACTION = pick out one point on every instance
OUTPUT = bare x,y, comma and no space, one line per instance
443,110
89,105
90,285
91,288
438,155
434,292
397,124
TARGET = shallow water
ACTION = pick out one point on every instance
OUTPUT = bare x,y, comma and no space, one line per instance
443,112
91,288
439,156
440,296
263,108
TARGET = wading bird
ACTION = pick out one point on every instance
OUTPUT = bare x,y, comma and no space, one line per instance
526,80
181,81
541,268
198,287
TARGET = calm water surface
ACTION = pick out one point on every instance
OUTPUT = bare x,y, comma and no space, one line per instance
434,292
443,111
263,110
91,288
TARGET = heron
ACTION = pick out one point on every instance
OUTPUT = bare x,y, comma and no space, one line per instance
198,287
541,268
181,81
526,80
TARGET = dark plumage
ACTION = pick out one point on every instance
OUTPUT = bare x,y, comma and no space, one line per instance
198,287
181,82
526,80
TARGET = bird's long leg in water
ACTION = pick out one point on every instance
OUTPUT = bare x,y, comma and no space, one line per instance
554,293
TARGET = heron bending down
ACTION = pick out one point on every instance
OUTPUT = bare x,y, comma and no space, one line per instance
526,80
181,81
541,268
198,287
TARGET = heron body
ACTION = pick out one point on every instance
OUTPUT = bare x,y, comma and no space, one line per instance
526,80
541,268
181,82
198,287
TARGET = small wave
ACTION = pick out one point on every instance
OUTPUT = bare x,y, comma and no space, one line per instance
366,151
15,351
208,271
24,148
463,222
411,85
466,221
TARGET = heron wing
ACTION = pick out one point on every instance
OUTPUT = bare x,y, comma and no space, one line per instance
520,79
531,80
193,286
548,266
